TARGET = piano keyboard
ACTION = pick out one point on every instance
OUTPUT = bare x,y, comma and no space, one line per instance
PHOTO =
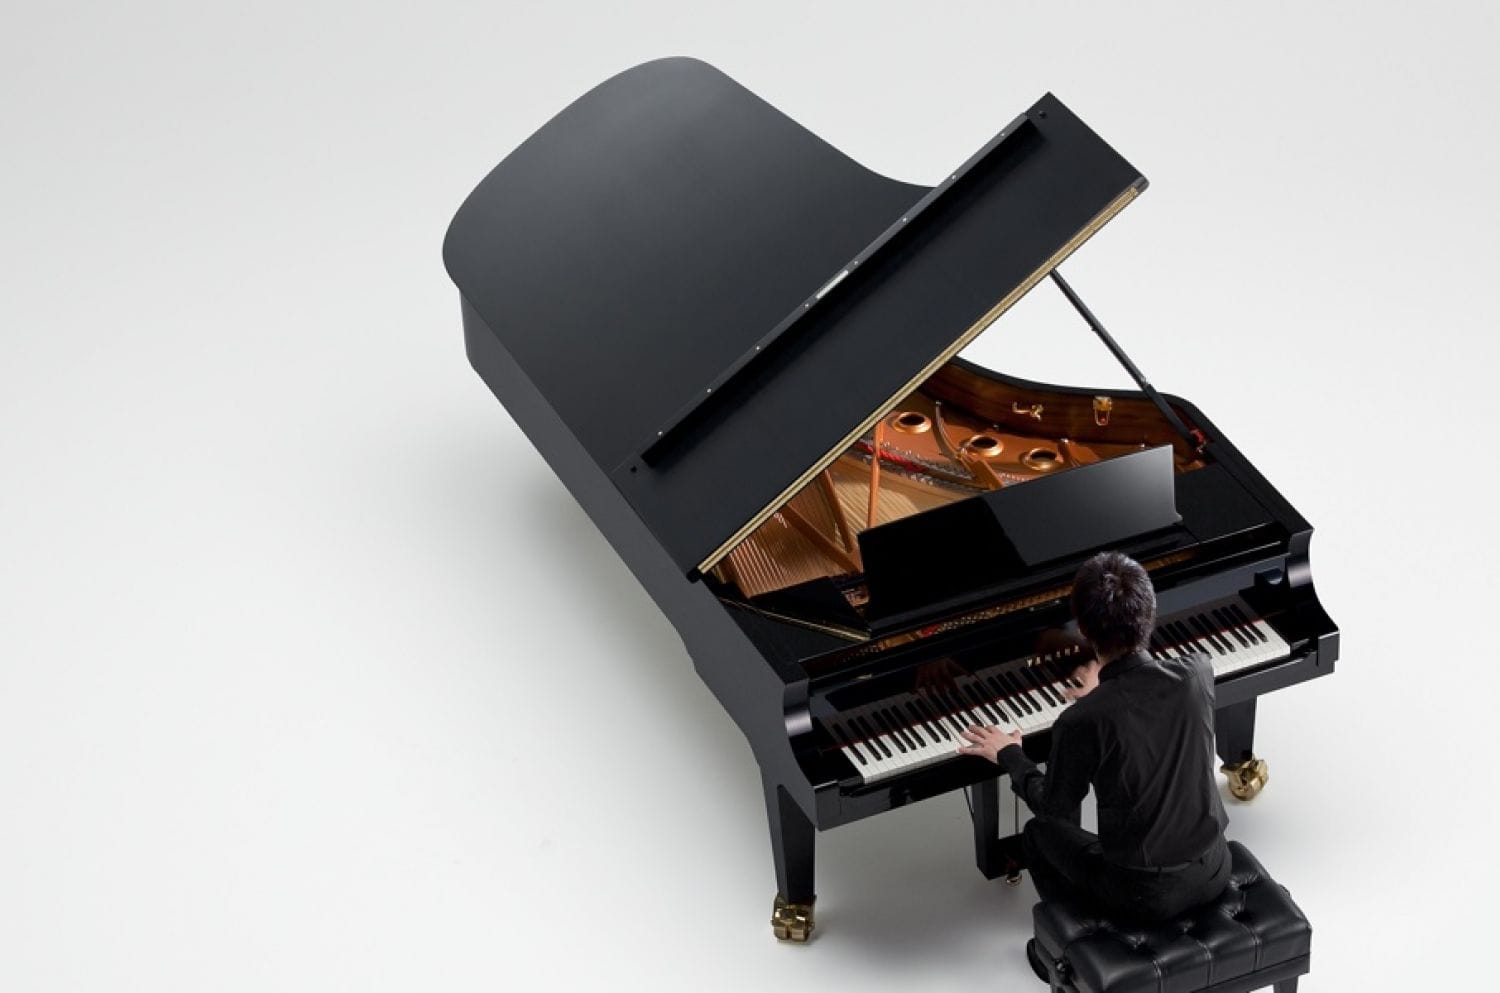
901,734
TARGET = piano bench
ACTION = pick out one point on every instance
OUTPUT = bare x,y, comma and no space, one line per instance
1251,937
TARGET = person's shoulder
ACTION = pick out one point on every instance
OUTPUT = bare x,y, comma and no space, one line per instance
1087,709
1195,670
1197,663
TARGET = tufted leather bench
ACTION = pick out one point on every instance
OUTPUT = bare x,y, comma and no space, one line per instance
1251,937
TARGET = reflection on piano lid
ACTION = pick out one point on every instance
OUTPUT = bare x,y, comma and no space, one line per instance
737,348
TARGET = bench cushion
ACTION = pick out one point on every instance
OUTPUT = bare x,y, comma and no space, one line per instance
1254,925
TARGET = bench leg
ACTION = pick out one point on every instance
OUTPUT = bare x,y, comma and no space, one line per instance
1287,986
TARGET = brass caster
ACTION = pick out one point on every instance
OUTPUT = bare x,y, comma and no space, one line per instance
791,921
1247,778
1013,879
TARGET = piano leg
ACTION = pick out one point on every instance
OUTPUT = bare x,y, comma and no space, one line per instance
793,842
989,851
1234,730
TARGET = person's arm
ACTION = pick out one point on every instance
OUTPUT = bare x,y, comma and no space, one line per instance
1070,768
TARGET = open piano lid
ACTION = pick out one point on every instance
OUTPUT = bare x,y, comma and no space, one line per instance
717,303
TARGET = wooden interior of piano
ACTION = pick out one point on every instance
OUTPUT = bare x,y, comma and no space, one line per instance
962,432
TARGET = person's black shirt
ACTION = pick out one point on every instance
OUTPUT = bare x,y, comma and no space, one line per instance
1144,738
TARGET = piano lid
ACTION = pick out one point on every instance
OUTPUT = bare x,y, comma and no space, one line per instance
717,303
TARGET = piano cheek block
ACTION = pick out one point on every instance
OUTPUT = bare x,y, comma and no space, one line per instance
738,350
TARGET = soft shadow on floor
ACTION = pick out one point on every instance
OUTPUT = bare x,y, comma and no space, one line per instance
483,501
900,889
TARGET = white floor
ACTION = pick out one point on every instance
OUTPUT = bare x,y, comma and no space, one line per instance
313,677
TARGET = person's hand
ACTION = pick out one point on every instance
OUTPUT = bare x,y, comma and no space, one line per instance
986,742
1088,675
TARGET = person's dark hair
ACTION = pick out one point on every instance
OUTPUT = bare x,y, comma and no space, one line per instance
1114,603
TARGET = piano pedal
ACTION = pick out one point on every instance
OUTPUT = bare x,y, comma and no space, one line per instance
791,921
1013,875
1247,778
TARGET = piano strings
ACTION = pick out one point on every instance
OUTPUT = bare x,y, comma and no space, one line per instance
954,438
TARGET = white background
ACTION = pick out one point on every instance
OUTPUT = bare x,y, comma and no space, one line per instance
312,675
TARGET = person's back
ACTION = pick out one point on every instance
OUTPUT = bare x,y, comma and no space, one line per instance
1140,733
1156,791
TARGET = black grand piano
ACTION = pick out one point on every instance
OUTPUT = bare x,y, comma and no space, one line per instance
737,347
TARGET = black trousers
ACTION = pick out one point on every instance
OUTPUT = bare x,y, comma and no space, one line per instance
1068,864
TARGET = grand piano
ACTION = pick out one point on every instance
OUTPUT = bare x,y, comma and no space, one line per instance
738,349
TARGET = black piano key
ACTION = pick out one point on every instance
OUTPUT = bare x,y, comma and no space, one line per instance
872,737
892,732
964,711
922,721
997,715
1008,695
943,701
1025,693
1204,635
1007,706
974,710
1218,631
1248,622
901,732
951,708
845,741
934,719
1062,674
1207,633
1186,640
1044,684
1049,671
1223,630
1242,622
984,708
1231,625
913,728
1034,683
1055,684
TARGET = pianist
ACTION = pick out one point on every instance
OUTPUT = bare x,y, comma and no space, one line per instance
1142,735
